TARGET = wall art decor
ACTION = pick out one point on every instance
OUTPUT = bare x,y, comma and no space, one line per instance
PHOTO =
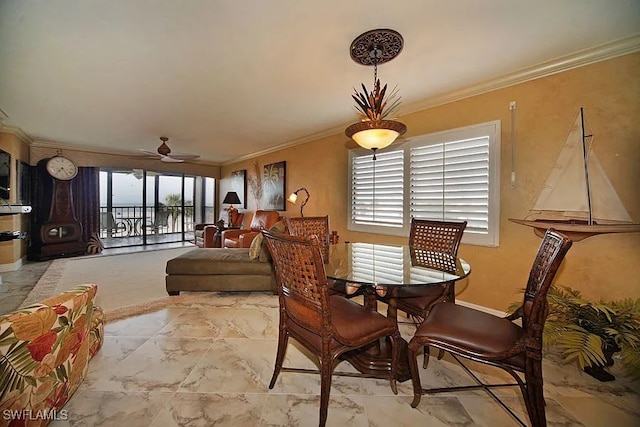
239,185
273,182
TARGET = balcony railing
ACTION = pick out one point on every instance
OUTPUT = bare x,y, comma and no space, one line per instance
132,221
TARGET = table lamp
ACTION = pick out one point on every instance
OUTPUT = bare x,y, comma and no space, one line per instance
231,198
293,198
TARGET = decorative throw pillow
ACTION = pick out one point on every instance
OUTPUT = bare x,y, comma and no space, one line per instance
256,246
278,227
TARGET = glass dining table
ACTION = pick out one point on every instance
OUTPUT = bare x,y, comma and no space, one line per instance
371,268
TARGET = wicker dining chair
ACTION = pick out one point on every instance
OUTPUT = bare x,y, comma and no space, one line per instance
319,226
311,225
440,240
328,326
497,341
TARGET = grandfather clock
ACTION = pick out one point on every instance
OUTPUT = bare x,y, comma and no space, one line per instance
56,232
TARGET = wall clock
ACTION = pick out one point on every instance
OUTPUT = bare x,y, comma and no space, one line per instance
61,168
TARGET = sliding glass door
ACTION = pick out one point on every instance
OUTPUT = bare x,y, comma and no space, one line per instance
140,207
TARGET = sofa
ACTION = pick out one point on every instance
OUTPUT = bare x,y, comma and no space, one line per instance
262,220
45,349
224,269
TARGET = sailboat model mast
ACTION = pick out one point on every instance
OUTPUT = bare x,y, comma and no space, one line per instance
586,165
577,198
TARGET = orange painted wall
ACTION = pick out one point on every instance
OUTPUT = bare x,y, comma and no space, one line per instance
606,266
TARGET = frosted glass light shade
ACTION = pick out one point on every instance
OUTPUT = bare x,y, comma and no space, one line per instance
375,138
293,197
375,135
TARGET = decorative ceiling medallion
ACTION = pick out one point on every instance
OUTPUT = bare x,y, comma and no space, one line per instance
376,47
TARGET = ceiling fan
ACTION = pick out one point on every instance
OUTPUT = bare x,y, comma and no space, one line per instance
166,155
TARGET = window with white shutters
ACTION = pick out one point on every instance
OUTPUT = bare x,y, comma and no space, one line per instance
450,176
377,188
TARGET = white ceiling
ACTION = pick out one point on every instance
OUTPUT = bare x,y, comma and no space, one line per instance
226,78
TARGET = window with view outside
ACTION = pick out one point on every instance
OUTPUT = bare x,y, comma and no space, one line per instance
451,176
172,202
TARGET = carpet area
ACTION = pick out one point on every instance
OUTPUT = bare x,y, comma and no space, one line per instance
127,284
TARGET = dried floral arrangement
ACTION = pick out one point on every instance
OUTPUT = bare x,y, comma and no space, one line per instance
255,184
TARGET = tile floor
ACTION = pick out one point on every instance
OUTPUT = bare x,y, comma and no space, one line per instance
209,363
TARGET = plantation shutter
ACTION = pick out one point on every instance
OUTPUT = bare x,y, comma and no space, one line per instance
377,189
450,182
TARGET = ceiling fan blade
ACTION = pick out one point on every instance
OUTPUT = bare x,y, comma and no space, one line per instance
184,156
169,159
151,153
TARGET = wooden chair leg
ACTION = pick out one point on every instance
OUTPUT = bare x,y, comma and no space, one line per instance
283,339
412,354
395,357
326,368
533,394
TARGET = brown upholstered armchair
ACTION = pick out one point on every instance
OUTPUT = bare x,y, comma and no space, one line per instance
204,235
262,220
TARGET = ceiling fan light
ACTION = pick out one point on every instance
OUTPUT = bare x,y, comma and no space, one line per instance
375,135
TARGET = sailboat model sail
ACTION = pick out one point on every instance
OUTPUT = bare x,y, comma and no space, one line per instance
577,198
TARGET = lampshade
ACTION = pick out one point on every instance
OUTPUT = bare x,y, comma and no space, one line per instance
375,135
231,198
293,198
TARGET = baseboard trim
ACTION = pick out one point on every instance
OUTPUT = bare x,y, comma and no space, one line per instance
16,265
481,308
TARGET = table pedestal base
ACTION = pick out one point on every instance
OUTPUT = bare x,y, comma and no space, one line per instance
374,360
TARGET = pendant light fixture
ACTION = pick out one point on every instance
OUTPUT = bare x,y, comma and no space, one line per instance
375,131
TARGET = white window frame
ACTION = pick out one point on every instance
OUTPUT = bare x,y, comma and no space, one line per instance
491,130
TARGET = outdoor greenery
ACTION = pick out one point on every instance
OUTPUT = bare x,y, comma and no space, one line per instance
585,331
173,204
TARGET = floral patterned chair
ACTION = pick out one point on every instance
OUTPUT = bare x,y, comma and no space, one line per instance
44,353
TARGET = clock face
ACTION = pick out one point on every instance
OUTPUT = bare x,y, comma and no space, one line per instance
61,168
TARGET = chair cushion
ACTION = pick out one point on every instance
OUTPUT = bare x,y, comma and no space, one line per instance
469,329
354,324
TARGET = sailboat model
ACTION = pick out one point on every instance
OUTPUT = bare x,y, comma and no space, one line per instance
577,198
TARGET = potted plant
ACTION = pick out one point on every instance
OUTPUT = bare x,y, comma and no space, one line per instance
589,333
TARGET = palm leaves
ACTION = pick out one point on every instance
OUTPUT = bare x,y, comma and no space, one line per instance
15,365
583,329
372,106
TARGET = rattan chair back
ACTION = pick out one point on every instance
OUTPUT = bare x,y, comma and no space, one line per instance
311,226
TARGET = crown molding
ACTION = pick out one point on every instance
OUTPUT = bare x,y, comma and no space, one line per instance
292,143
19,133
561,64
578,59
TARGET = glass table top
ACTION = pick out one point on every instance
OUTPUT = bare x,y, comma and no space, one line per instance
392,265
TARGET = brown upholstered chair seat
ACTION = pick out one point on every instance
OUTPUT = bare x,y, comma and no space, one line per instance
475,331
351,321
